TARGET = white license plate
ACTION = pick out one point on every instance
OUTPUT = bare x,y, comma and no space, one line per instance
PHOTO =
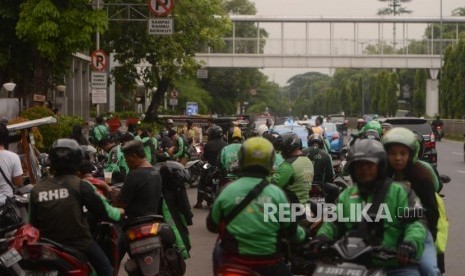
327,270
318,199
10,257
41,273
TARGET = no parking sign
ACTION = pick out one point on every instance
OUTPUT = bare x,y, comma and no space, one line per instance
161,7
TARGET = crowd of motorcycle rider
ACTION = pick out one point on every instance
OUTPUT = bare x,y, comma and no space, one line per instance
383,163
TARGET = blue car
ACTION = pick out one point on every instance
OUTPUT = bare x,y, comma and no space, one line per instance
301,131
334,137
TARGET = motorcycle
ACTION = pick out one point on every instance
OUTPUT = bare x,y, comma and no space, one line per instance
152,248
194,167
41,256
351,256
438,133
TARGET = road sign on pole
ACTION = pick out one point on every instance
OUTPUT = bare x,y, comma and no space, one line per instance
160,26
161,7
98,80
99,60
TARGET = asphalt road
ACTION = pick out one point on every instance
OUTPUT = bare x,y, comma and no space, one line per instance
451,163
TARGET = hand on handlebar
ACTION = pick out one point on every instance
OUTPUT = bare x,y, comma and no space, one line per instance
406,253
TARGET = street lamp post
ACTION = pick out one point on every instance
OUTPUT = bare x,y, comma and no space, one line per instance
9,87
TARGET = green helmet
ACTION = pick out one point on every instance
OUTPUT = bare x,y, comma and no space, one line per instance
256,153
402,136
373,125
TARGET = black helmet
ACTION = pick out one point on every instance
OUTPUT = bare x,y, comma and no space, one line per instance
367,150
316,138
65,156
215,132
289,143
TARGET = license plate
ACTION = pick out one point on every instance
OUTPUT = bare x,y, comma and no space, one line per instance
327,270
41,273
10,257
318,199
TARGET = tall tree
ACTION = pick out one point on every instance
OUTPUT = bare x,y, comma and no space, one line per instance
49,32
171,57
419,92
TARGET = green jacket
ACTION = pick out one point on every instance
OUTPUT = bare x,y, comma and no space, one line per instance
150,150
116,161
99,132
395,231
295,176
229,160
249,234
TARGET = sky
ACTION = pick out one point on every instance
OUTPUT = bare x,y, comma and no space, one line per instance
350,8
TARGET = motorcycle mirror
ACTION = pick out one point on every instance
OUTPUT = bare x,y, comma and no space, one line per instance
207,166
444,178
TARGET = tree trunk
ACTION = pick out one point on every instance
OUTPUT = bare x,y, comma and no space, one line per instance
152,112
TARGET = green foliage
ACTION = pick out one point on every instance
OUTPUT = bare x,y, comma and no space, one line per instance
49,132
190,91
197,23
50,32
452,82
66,124
419,93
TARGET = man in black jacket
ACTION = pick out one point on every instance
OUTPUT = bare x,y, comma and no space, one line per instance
211,152
56,205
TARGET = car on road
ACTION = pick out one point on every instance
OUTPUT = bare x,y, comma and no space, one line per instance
420,126
301,131
334,137
341,122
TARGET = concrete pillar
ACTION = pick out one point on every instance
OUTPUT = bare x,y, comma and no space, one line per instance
432,97
432,93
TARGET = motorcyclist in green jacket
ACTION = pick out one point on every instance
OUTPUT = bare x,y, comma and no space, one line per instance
229,158
367,161
249,239
116,162
295,174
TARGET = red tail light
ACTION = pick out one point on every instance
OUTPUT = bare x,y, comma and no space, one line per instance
430,145
142,231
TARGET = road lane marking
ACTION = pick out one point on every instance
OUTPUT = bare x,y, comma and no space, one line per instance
461,171
458,153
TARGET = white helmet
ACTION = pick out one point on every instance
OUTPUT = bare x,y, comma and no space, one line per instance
262,129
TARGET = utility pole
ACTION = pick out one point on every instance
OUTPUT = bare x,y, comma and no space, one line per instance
394,8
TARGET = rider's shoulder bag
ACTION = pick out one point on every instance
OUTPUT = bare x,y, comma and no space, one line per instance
234,212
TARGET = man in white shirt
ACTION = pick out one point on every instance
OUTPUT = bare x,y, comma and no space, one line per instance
10,166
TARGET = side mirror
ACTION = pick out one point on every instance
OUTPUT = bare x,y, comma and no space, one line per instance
206,166
444,178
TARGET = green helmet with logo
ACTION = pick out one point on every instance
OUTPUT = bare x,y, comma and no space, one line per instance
373,125
257,154
402,136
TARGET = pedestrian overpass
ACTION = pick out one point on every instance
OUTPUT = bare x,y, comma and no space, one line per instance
339,42
333,42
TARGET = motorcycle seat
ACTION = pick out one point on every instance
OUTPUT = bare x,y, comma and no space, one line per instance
74,252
